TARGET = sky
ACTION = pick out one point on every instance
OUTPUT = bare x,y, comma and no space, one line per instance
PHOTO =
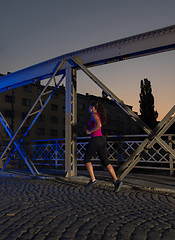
37,30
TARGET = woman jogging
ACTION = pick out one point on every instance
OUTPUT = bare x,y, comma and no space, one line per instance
97,144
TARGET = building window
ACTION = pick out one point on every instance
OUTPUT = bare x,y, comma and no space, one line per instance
40,90
63,133
27,88
41,118
38,105
55,95
24,130
9,99
54,119
23,115
81,118
81,107
26,102
54,107
8,113
53,132
40,131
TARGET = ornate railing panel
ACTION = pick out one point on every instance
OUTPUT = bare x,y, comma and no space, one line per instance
51,153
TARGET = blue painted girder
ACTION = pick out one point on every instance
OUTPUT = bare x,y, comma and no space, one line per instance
135,46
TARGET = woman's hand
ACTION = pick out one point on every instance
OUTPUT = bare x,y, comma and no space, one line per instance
88,132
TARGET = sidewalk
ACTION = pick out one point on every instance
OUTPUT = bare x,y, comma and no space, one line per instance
148,182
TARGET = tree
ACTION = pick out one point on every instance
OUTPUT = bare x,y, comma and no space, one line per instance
104,95
148,114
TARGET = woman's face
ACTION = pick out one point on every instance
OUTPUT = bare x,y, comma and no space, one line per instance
91,108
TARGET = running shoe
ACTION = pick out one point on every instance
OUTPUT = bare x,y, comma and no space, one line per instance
117,185
91,184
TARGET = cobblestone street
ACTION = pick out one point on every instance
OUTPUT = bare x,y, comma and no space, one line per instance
42,209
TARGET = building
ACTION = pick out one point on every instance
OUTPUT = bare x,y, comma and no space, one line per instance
15,104
118,122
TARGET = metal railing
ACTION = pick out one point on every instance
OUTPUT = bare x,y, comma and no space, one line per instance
51,152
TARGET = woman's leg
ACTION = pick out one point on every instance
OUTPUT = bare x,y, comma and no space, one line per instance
112,172
90,152
117,183
102,152
90,171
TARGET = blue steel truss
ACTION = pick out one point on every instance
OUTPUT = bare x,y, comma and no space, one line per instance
153,135
156,41
31,112
28,162
152,42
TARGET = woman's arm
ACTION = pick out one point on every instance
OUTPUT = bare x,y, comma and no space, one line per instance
97,126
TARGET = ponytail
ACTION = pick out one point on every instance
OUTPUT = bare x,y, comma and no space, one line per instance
100,110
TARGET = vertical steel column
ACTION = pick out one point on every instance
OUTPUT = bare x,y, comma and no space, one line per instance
70,123
171,161
153,135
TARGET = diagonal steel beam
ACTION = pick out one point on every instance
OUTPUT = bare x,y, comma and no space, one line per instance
36,117
119,102
30,113
151,134
28,162
45,104
144,147
116,99
167,121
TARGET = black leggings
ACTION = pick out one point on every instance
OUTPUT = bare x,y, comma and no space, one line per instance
97,145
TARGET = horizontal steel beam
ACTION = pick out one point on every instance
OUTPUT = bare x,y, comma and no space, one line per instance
152,42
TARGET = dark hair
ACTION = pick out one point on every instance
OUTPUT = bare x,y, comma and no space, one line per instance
100,110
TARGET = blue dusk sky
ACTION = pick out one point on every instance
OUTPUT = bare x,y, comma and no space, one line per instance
33,31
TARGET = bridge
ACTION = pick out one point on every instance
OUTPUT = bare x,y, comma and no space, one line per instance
66,66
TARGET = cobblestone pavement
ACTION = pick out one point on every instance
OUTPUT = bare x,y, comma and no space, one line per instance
45,210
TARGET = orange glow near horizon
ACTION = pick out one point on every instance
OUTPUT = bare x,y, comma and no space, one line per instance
123,78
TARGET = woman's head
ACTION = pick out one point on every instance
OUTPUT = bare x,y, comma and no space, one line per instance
100,110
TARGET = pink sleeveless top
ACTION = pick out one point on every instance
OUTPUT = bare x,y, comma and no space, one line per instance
92,124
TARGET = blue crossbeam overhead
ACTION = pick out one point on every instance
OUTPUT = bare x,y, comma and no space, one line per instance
135,46
153,42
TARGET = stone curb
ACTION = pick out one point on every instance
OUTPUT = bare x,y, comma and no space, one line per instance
106,185
101,184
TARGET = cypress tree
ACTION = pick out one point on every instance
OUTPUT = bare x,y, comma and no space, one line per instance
148,114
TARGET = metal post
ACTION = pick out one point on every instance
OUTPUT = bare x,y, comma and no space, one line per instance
152,135
118,101
70,123
170,156
152,138
56,154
